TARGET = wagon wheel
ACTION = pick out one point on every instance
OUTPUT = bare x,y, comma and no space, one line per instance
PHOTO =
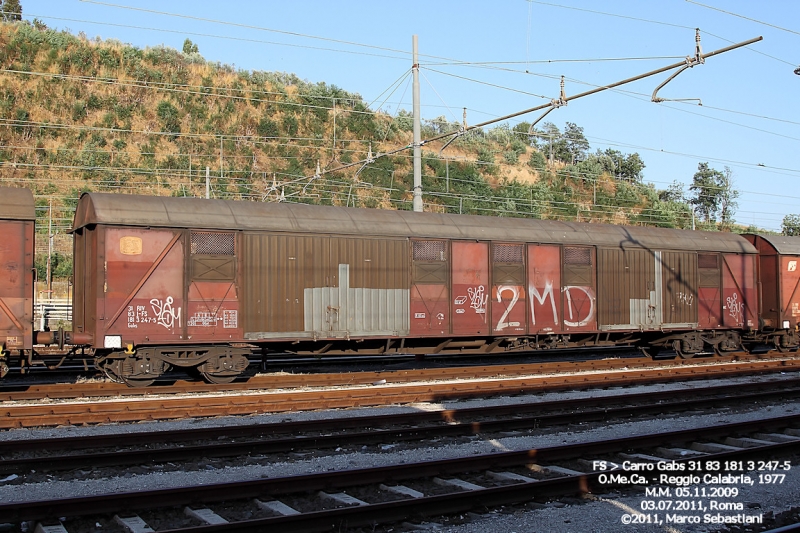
222,367
122,371
676,345
781,349
218,379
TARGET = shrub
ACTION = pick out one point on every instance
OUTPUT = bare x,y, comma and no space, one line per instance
290,125
169,116
267,128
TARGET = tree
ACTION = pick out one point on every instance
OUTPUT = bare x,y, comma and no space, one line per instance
575,142
12,10
628,167
674,193
189,47
556,145
791,225
714,193
727,197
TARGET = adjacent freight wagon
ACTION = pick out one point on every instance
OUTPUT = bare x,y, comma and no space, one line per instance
198,283
779,288
17,219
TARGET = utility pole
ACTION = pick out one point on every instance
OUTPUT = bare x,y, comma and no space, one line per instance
417,203
208,182
50,252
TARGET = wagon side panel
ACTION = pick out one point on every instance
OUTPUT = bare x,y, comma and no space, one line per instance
16,284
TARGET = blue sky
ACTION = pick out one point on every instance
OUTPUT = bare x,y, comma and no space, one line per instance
749,120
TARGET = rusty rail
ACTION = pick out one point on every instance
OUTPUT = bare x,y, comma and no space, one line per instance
291,381
130,410
459,422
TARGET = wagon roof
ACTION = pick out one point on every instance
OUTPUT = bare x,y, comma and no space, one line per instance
783,245
16,204
168,212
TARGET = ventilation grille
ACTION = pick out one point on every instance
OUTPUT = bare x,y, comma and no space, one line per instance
429,251
707,261
208,243
508,253
577,256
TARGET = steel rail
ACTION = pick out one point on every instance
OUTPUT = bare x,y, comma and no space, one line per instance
577,410
89,412
14,392
111,503
286,381
328,424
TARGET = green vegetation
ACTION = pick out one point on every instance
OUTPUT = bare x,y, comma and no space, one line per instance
110,116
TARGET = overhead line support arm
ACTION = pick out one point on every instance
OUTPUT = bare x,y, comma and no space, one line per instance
564,99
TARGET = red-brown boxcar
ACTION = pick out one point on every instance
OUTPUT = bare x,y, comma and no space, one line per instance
779,288
188,282
17,215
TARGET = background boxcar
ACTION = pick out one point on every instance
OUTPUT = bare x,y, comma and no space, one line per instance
779,291
17,215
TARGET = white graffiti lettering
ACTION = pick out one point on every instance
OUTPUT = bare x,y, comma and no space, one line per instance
478,299
166,315
502,324
535,296
588,292
735,308
686,298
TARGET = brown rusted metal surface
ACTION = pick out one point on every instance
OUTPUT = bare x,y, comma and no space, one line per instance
470,289
430,282
17,215
212,299
324,287
709,292
544,289
739,302
507,298
166,212
647,290
779,278
92,412
679,289
275,271
578,273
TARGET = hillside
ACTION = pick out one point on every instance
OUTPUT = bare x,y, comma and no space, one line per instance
98,115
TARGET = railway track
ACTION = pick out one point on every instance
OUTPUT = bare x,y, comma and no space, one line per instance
176,446
94,389
382,392
368,496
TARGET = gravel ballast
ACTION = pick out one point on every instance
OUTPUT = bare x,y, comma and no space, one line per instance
596,513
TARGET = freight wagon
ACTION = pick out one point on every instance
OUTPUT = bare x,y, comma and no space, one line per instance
201,284
198,283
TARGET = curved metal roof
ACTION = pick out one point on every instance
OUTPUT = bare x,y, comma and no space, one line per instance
17,204
783,245
168,212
